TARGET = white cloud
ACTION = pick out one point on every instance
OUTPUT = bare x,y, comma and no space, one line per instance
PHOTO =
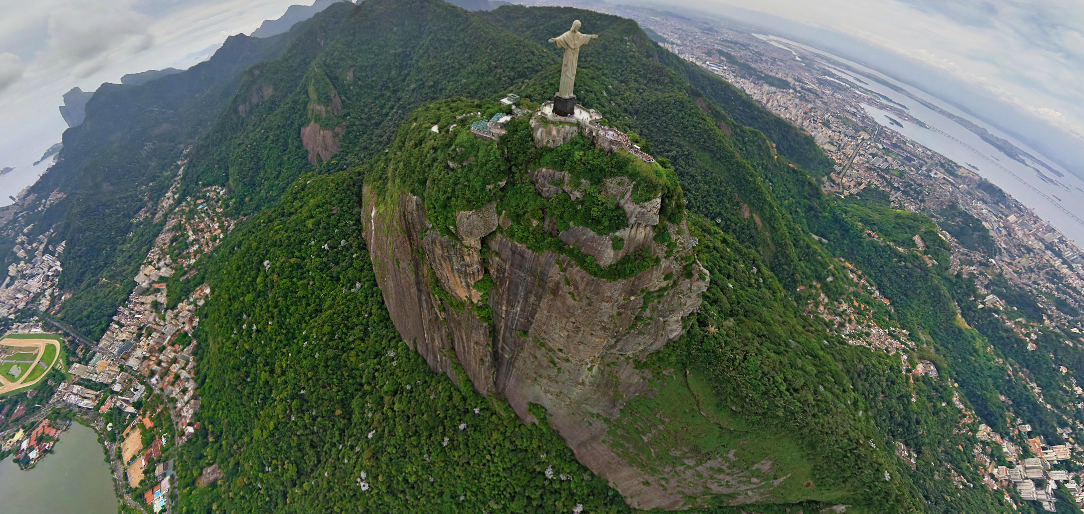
55,45
1025,53
88,37
11,69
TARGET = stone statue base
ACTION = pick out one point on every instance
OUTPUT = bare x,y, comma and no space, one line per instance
564,106
551,129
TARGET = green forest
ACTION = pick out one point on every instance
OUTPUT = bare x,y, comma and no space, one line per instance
312,403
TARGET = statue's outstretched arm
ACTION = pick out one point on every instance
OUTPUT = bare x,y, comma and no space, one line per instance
553,40
593,36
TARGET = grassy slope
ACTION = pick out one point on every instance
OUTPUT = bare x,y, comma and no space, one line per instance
700,424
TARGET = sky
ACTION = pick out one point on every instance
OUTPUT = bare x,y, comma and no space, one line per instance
48,47
1016,63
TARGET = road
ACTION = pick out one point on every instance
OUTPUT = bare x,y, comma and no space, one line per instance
118,476
78,338
858,151
31,421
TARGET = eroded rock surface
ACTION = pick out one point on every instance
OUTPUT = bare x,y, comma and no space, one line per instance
553,134
559,337
320,142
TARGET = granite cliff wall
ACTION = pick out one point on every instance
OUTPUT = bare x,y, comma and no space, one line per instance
536,327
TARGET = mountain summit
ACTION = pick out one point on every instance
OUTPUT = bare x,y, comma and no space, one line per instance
415,280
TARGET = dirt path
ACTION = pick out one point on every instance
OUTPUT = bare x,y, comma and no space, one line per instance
39,344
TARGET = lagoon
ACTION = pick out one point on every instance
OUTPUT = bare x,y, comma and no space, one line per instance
75,479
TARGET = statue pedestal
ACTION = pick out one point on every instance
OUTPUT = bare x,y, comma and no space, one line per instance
564,106
551,129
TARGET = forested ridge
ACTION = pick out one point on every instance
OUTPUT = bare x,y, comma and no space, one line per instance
116,164
638,95
312,403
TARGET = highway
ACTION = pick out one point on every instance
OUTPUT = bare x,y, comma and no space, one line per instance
80,339
858,151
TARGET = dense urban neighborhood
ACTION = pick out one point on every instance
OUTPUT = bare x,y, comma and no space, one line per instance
136,384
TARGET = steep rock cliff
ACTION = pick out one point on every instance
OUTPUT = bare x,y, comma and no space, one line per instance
561,325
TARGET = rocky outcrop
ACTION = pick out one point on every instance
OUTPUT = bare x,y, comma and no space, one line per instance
74,109
412,262
558,337
472,226
642,218
256,93
553,134
335,107
320,142
646,213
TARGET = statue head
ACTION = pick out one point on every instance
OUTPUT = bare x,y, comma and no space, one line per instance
576,26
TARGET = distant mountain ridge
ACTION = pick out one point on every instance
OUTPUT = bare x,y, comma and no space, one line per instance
132,137
294,14
478,5
137,79
75,100
74,108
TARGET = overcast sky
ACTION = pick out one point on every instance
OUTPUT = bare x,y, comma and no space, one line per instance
1028,54
49,46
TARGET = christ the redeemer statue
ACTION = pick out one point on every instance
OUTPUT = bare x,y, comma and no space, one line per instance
564,103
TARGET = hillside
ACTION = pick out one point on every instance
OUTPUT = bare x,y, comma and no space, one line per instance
656,105
409,318
293,15
114,168
315,393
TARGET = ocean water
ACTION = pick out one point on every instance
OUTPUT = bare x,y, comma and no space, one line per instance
1057,199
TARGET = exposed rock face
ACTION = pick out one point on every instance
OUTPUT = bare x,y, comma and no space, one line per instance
559,337
336,107
551,129
442,335
256,94
642,218
320,142
553,134
472,226
646,213
74,109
